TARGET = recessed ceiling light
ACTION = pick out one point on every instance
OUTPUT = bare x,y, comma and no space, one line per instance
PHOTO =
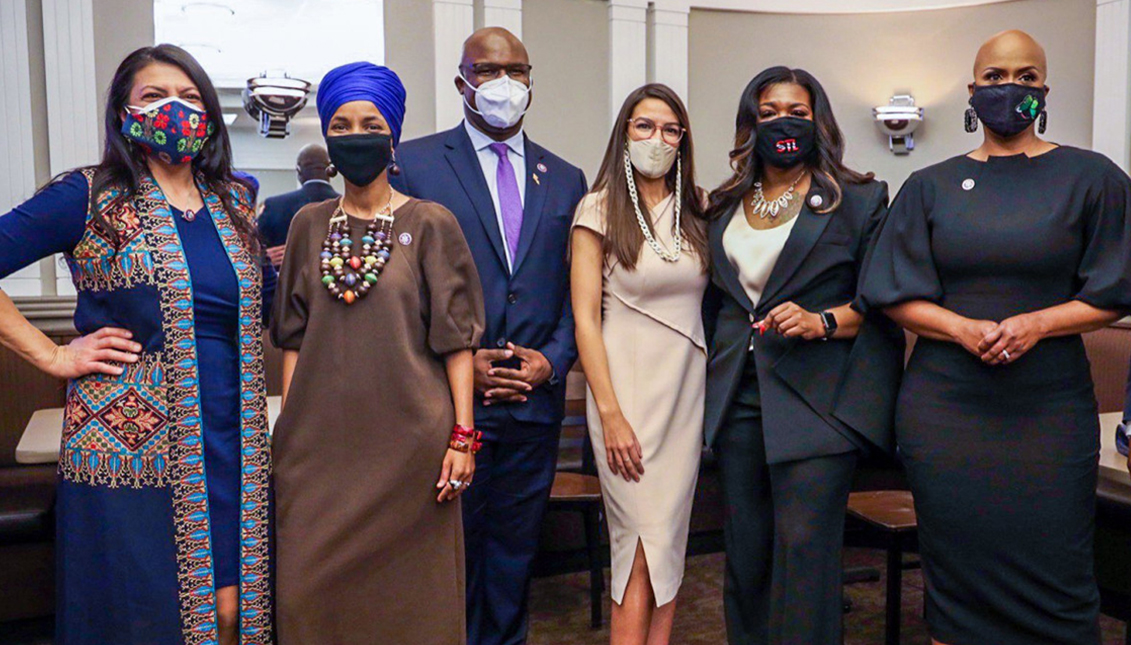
207,10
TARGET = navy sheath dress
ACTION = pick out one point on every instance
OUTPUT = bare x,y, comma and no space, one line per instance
1002,460
109,546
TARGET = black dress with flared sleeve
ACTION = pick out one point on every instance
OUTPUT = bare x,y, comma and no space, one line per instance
1002,460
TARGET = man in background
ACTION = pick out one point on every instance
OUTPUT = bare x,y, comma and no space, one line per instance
514,201
313,168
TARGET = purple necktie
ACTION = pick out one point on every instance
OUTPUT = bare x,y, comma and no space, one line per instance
510,201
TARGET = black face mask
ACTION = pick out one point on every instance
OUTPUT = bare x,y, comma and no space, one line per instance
1008,109
786,141
361,158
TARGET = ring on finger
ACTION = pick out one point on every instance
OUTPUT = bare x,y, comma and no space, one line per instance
456,484
1005,354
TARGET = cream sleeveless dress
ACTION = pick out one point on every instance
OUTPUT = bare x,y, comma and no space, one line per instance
652,326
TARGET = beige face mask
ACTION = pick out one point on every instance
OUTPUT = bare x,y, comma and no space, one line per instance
652,157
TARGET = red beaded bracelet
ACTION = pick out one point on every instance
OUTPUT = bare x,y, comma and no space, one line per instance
465,439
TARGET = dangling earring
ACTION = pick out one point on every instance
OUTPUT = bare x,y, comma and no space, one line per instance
971,120
1043,123
331,171
394,169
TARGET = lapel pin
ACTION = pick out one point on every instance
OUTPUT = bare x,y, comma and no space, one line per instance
405,239
536,179
815,201
968,184
542,167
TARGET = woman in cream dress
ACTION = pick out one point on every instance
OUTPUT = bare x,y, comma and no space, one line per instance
637,297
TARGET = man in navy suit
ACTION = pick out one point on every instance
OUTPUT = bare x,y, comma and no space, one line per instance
515,202
312,166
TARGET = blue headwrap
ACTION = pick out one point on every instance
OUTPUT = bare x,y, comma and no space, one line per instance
363,81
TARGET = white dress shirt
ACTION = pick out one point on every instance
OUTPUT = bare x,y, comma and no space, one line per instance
489,163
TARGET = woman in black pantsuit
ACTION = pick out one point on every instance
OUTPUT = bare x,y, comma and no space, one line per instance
999,260
799,382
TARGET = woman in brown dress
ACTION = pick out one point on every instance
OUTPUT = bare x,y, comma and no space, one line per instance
378,309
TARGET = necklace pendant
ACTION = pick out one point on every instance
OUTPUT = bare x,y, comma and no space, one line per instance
189,215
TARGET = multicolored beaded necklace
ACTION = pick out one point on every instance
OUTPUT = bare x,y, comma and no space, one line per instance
349,277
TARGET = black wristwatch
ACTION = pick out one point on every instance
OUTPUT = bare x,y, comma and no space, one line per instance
829,321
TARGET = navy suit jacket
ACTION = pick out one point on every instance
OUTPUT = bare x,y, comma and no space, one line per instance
529,307
278,211
811,390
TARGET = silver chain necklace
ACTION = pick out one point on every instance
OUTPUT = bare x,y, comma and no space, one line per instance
764,208
677,232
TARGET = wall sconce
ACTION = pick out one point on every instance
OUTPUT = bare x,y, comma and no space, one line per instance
899,119
272,99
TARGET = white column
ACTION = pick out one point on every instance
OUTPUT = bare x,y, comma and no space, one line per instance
628,47
1111,110
669,55
452,22
72,99
17,150
503,13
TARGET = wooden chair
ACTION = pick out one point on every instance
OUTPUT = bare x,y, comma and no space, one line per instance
891,514
582,493
577,489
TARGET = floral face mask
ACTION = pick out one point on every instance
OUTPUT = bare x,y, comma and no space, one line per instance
171,129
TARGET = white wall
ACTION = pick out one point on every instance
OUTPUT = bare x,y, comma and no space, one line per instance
569,113
863,59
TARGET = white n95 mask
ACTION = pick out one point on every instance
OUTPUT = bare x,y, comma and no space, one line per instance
501,101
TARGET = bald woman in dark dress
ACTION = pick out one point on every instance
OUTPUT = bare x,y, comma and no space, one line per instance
999,260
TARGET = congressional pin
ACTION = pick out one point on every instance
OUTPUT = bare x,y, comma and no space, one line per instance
816,200
968,184
405,239
542,167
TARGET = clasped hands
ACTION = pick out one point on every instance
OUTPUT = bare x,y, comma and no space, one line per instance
1000,343
505,384
994,343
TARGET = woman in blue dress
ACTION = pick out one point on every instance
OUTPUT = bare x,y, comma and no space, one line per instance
162,510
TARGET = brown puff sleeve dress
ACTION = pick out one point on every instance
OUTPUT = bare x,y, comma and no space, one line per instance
365,554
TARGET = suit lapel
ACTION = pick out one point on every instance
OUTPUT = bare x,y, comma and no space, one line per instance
726,272
533,202
801,239
465,162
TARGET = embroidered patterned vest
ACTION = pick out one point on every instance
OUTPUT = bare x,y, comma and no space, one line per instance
143,428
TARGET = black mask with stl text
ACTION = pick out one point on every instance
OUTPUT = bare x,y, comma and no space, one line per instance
361,158
786,141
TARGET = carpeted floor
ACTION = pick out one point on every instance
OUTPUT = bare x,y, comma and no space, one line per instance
560,609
